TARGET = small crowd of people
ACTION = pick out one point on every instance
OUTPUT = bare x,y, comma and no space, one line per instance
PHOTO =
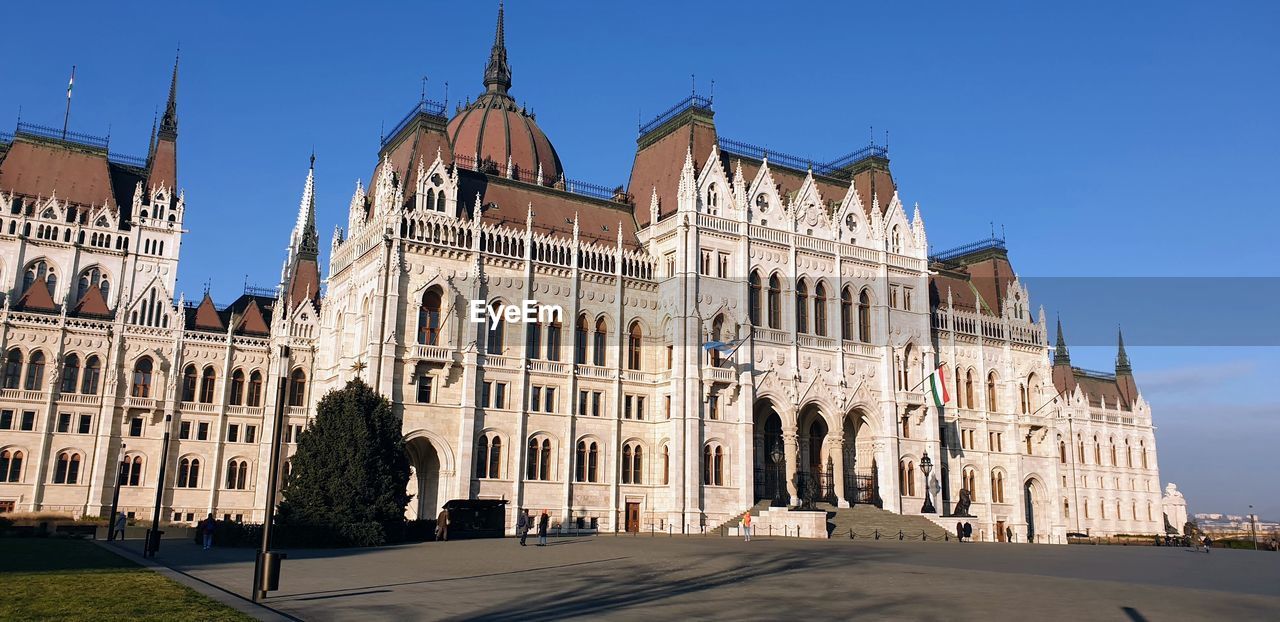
525,523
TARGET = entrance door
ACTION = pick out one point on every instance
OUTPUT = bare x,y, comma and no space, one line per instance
1000,531
633,517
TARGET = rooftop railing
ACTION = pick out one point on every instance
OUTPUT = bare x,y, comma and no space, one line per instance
120,158
75,138
972,247
425,106
835,168
692,101
586,189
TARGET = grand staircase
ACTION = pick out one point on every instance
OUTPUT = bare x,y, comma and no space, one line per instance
866,521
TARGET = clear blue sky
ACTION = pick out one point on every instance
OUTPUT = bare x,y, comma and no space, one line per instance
1134,139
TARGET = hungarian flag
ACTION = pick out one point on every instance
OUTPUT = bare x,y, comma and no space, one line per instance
938,385
71,82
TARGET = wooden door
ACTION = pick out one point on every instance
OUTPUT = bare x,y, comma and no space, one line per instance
633,516
1000,531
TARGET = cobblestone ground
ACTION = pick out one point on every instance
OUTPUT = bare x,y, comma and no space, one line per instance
645,577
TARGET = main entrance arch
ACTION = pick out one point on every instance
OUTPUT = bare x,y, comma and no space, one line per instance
424,479
768,454
861,473
1033,506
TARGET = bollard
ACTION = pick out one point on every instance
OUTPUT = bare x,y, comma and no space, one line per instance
877,534
271,571
851,533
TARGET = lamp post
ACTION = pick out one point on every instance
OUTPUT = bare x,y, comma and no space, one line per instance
1253,526
926,467
779,470
266,566
153,538
115,498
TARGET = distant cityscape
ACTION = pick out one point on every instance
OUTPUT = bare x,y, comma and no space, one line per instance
1235,524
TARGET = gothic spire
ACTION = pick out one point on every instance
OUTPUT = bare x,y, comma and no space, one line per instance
1122,358
169,122
497,75
1060,354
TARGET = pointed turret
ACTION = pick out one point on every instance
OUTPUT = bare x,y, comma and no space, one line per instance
163,164
1124,373
1122,358
1060,354
300,276
497,74
1064,378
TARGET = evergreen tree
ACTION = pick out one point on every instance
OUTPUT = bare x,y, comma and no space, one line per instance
350,473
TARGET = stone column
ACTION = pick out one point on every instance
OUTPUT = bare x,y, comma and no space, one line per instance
791,447
837,469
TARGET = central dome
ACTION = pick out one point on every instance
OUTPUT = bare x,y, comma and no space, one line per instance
494,128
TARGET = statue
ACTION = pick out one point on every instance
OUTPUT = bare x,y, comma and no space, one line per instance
962,506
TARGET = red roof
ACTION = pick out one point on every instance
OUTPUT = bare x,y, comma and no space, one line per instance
41,169
37,298
92,304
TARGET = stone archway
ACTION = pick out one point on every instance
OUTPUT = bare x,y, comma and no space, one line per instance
424,479
1034,509
768,454
861,476
816,465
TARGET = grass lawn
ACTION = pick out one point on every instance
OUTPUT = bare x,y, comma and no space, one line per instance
69,579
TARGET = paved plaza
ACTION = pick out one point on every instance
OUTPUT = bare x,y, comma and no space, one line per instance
641,577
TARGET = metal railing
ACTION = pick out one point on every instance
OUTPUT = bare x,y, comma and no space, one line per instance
425,106
582,188
44,131
972,247
834,168
692,101
120,158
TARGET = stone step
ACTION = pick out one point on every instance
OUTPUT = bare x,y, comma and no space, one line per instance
866,520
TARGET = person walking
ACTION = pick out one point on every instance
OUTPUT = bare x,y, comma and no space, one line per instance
118,528
543,522
206,530
746,525
442,526
1208,542
522,525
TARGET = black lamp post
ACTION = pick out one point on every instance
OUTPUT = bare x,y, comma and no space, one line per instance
926,466
780,471
153,537
121,471
266,566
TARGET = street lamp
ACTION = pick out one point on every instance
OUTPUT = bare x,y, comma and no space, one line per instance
121,470
779,471
1253,526
153,537
926,466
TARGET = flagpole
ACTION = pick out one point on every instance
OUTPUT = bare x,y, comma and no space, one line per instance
66,118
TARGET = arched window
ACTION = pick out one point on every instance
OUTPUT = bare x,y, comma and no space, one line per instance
712,464
429,318
666,465
89,278
968,388
864,317
907,477
820,310
626,464
11,465
632,463
775,302
237,474
895,240
207,380
1062,452
1097,451
254,396
67,470
802,307
1114,462
1080,455
237,387
13,369
493,340
189,383
297,387
580,340
846,314
131,474
533,340
70,373
538,460
1066,509
585,469
992,405
997,487
482,457
92,372
598,341
713,200
188,473
553,341
1142,447
753,297
35,372
971,482
40,270
1128,454
489,457
141,385
633,346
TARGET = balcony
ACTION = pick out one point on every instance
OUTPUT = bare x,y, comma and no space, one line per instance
198,407
727,375
435,354
80,400
22,395
773,335
549,367
857,348
814,341
245,411
496,361
592,371
145,403
647,377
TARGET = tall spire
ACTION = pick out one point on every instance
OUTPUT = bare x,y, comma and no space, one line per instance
305,241
169,122
1122,358
497,75
1060,354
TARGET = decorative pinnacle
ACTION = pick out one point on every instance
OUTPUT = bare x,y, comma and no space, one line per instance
169,122
1060,354
497,75
1122,358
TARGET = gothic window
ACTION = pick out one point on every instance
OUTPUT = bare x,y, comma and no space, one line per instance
237,474
89,278
131,474
35,372
538,460
553,341
971,482
67,470
1062,452
753,297
429,318
13,369
1128,454
846,314
775,302
666,465
992,405
895,240
189,383
1097,451
493,340
864,317
632,463
1113,453
297,387
713,200
254,396
533,340
586,467
40,270
633,346
820,310
598,341
70,373
802,307
907,478
968,388
188,473
712,464
997,487
207,381
489,457
1142,447
237,387
580,341
11,465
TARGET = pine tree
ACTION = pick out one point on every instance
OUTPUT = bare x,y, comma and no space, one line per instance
350,473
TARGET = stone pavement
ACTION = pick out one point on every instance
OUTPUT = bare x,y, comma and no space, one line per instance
642,577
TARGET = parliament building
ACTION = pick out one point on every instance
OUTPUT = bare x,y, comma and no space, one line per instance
735,328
